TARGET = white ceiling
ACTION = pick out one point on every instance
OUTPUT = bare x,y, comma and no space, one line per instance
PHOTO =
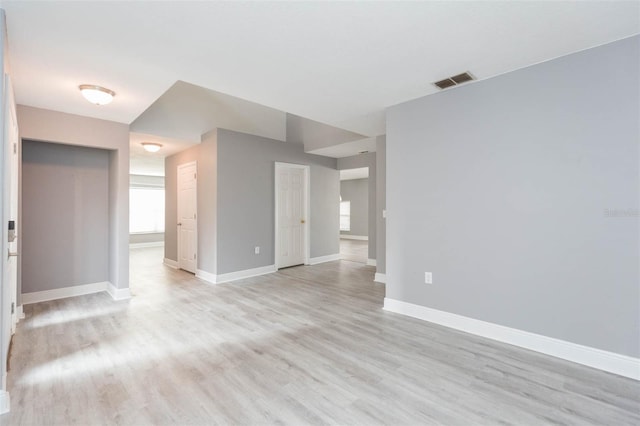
339,63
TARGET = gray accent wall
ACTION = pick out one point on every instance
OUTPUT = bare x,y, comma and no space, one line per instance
520,194
236,177
357,192
56,127
356,162
381,204
65,202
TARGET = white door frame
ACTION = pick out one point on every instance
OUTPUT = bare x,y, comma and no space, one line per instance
307,210
189,164
11,134
6,292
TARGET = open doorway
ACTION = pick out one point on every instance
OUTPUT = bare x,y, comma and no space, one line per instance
354,214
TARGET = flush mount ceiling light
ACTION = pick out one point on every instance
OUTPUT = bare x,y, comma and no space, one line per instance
151,146
96,95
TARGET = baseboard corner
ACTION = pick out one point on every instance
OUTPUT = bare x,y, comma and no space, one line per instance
118,293
380,278
170,263
323,259
207,276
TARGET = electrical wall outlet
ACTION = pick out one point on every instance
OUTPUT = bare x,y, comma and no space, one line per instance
257,250
428,278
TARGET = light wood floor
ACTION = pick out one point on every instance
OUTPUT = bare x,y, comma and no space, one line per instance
354,250
308,345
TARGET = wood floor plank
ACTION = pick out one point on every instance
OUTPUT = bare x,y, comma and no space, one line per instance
307,345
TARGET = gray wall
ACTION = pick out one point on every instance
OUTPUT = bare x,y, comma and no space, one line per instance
357,192
501,188
57,127
355,162
236,200
246,178
65,202
381,204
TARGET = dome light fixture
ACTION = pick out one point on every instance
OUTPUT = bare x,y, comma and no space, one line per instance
151,146
96,94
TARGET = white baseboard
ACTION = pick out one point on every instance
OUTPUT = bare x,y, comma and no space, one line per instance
170,263
118,293
597,358
61,293
5,402
145,245
380,278
371,262
207,276
323,259
234,276
354,237
79,290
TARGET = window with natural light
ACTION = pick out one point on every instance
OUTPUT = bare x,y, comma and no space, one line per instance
146,210
345,215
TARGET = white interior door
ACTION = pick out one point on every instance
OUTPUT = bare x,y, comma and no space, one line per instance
187,220
291,215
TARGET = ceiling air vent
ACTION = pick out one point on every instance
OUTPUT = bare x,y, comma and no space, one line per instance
455,80
443,84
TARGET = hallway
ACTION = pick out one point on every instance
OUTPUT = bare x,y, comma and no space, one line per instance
354,250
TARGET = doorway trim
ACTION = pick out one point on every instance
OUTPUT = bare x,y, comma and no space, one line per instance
307,209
